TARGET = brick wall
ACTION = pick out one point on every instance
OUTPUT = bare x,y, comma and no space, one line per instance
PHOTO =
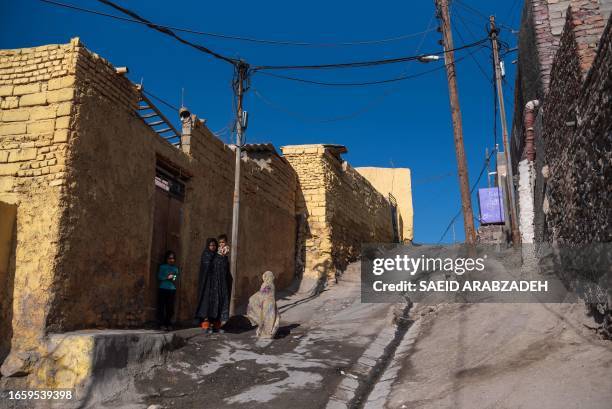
587,23
338,208
573,140
554,46
542,23
562,86
577,133
606,8
542,26
35,110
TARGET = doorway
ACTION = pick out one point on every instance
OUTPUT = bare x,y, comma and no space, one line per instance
167,221
8,243
394,218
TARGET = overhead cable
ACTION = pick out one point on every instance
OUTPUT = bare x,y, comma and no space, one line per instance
357,84
242,38
474,186
236,62
168,32
431,179
374,102
482,70
361,64
169,105
481,14
353,84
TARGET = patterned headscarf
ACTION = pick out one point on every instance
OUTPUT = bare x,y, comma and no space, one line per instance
268,283
268,277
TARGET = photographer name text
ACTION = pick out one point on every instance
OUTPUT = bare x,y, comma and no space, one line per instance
467,286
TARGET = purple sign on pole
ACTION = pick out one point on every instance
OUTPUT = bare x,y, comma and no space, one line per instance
491,205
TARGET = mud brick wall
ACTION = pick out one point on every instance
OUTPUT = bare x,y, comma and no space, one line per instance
35,121
577,132
313,248
112,204
103,269
80,165
395,181
268,235
338,210
357,213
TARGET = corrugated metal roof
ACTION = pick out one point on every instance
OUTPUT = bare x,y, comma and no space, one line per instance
259,147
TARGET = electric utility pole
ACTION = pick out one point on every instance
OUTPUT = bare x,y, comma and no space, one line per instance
240,82
516,236
449,60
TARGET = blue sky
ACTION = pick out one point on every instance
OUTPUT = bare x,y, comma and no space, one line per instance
402,124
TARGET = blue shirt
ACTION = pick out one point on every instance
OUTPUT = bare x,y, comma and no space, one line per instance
162,276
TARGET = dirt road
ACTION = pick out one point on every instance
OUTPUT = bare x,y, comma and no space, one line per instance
321,340
504,356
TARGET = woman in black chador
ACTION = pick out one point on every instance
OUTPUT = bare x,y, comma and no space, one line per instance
214,288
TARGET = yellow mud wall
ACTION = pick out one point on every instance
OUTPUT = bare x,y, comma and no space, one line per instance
36,92
397,182
106,240
79,164
339,209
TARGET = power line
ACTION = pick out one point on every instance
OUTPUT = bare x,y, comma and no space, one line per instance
236,62
364,83
241,38
309,119
361,64
168,31
495,102
169,105
218,133
480,14
431,179
510,13
484,167
354,84
464,25
473,57
306,119
468,18
372,104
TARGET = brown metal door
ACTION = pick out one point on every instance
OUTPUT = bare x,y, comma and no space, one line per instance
167,220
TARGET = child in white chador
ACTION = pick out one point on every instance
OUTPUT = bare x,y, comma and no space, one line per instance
262,310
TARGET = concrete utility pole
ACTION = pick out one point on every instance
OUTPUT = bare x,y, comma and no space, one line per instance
239,85
516,235
464,184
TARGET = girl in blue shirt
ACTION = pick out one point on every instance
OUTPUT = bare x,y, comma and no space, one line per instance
167,275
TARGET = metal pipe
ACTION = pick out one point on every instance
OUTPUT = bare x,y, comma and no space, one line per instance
529,120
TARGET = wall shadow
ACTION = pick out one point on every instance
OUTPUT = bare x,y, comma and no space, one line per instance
8,241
